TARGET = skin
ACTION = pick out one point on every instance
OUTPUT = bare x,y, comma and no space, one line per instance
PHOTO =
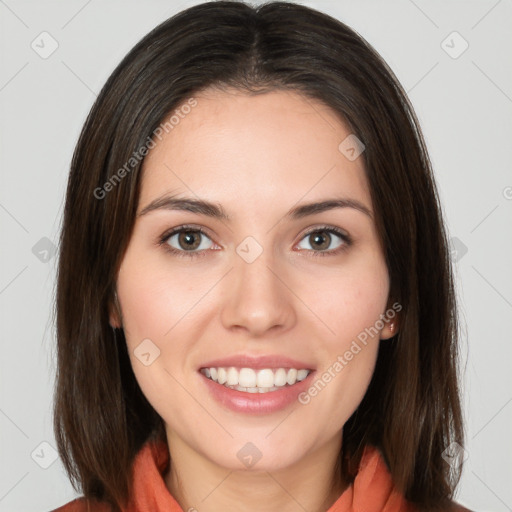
257,156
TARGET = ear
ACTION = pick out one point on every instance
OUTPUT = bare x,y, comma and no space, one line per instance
114,312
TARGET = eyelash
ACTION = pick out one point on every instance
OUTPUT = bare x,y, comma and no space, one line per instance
199,254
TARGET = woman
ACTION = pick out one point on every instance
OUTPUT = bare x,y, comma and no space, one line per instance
255,304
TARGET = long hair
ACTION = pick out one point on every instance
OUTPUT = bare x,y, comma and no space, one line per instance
411,410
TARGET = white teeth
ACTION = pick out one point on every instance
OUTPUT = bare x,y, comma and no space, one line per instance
265,378
280,377
302,374
222,375
247,378
232,377
292,376
255,381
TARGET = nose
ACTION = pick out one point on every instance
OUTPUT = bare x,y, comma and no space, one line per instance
257,298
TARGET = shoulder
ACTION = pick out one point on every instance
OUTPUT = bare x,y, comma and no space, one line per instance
83,505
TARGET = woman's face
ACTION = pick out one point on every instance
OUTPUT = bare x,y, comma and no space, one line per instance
269,287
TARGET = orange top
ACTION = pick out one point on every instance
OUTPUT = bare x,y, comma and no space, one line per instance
371,491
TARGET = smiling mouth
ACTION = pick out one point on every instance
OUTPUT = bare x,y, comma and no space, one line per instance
263,380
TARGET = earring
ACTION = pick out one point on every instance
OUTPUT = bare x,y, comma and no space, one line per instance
391,326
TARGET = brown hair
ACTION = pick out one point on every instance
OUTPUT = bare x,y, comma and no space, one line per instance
411,410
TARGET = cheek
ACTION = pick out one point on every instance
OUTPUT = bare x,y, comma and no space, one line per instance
350,306
161,305
349,359
152,298
351,300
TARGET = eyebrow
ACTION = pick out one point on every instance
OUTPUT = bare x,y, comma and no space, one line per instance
216,211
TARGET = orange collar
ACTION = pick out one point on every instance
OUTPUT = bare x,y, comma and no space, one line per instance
371,491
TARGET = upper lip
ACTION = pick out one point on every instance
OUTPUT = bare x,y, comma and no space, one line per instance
250,361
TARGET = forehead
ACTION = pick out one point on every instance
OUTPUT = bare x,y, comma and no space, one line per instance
233,147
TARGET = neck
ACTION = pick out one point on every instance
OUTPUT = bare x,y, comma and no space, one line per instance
199,484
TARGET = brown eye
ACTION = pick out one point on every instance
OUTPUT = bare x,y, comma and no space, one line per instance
324,241
188,240
320,240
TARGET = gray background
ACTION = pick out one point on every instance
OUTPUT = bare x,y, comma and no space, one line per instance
464,103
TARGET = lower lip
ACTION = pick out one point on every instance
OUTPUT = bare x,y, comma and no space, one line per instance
256,403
